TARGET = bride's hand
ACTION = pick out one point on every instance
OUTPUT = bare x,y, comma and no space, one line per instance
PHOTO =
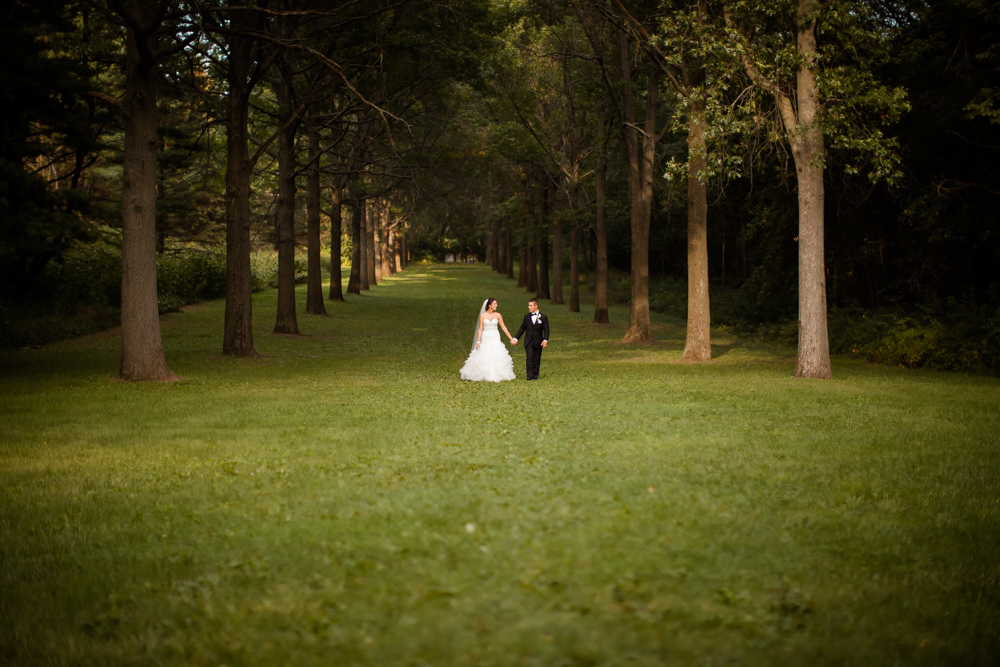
477,345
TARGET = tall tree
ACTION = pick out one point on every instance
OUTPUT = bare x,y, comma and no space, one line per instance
314,286
336,235
289,119
243,58
789,74
641,159
142,356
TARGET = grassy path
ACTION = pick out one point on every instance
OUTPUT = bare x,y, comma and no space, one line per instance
348,500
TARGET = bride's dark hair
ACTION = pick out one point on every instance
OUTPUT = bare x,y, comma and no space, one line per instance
489,300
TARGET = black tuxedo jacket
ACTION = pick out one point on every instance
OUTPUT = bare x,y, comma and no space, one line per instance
534,334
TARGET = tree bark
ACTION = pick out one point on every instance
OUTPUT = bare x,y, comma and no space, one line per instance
574,257
543,246
142,355
640,155
370,241
509,251
490,245
378,239
532,277
501,263
237,338
362,212
808,151
285,321
354,283
531,283
392,255
314,280
522,243
601,230
557,268
385,244
399,251
336,232
543,267
697,344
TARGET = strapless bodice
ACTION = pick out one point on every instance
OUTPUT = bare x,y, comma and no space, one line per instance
490,325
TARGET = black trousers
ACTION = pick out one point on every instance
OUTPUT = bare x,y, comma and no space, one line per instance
532,359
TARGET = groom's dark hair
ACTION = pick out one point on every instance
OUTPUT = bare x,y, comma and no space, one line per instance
533,300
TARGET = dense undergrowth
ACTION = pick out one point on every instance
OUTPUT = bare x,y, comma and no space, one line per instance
956,334
81,294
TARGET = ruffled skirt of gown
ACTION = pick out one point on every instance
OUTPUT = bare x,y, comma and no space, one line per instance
491,362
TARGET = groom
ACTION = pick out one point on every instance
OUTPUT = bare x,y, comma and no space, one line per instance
535,326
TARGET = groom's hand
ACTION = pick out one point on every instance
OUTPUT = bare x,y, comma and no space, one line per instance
545,343
513,342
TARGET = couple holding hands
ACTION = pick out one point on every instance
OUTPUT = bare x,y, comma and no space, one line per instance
489,360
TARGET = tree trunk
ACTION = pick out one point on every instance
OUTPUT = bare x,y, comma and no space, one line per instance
391,253
543,246
697,344
532,277
354,283
601,231
808,150
490,245
640,176
385,247
237,338
501,265
363,244
508,251
336,232
522,244
378,240
370,241
543,267
398,249
285,321
557,268
314,280
532,249
574,258
142,355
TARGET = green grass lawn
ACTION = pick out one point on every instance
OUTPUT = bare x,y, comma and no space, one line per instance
348,500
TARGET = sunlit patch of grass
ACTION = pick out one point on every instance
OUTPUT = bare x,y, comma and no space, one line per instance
348,499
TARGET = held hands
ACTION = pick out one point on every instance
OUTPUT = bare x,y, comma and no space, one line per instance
513,342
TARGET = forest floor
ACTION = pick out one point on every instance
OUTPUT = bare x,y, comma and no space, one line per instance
347,500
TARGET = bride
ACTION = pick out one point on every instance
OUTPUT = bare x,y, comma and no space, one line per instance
489,360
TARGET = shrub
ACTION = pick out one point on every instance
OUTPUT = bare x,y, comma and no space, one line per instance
960,334
189,276
264,270
81,293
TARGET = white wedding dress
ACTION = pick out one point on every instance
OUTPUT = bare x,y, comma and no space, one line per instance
491,362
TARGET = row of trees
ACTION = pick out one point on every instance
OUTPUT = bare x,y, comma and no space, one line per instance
729,80
339,95
750,114
560,134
